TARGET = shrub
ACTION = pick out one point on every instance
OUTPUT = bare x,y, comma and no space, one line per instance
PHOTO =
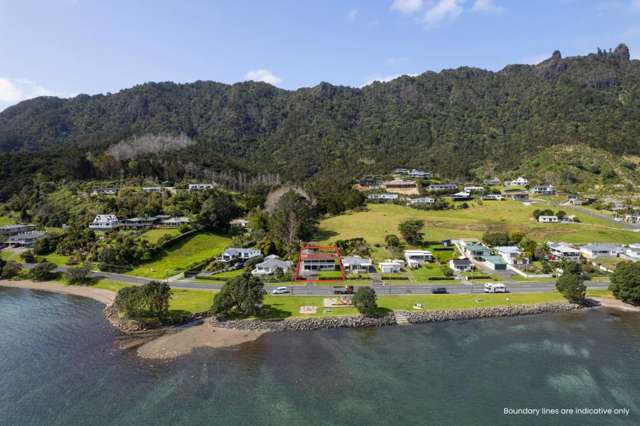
43,271
10,269
242,296
365,301
148,301
79,274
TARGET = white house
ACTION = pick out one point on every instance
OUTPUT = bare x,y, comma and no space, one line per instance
24,239
104,222
419,174
492,197
438,187
492,181
521,181
544,190
591,251
548,219
561,251
416,258
239,223
15,229
461,265
152,189
200,186
270,265
391,266
473,189
632,253
383,196
173,222
461,196
420,201
356,264
511,254
233,253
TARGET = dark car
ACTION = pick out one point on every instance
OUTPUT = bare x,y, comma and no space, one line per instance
439,290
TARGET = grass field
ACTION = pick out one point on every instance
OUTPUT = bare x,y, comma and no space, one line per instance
383,219
178,257
6,220
58,259
153,235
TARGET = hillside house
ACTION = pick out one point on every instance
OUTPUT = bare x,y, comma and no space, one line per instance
632,218
173,222
474,189
270,266
632,253
199,186
105,222
24,239
139,222
314,261
492,197
15,229
544,190
383,196
419,174
416,258
592,251
420,201
156,189
357,264
238,254
475,250
520,181
522,196
391,266
561,251
461,196
401,186
461,265
239,223
491,181
104,191
442,187
548,219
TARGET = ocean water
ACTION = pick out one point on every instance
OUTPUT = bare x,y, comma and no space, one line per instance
60,365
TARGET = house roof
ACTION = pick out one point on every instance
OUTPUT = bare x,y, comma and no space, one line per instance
508,249
355,260
495,260
318,256
273,262
601,247
463,261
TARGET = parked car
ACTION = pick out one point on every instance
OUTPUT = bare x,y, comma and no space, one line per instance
439,290
280,290
494,288
343,290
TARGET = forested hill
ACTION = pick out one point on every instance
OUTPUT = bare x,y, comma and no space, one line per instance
451,122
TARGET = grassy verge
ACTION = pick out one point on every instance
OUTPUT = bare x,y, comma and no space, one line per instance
597,292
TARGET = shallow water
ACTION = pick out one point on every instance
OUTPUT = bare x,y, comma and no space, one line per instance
60,365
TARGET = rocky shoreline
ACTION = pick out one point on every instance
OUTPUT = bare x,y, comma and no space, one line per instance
308,324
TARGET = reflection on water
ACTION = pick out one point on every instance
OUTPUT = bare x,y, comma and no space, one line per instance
59,364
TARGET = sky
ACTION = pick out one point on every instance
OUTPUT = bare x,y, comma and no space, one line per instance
68,47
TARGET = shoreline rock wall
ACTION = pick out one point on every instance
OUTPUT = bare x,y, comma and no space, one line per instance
308,324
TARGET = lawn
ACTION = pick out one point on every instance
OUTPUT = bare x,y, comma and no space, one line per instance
153,235
426,271
186,252
192,301
382,219
466,301
57,259
228,274
6,220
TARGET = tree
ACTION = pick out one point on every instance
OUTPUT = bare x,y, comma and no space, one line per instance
496,238
10,269
43,271
571,283
411,231
217,210
293,219
561,214
529,247
80,274
241,296
365,301
625,282
28,256
150,300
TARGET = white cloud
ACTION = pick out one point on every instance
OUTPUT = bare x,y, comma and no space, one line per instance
407,6
441,11
263,75
13,91
487,6
384,79
352,15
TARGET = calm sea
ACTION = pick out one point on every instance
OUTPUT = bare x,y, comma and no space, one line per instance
60,365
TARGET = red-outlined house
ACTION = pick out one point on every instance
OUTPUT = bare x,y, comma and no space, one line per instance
312,260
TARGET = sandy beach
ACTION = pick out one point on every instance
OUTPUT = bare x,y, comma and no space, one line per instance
103,296
608,302
182,341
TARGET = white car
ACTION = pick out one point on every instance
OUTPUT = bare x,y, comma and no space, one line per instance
494,288
280,290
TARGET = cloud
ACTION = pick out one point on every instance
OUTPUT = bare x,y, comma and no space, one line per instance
384,79
263,75
352,15
487,6
13,91
407,6
441,11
